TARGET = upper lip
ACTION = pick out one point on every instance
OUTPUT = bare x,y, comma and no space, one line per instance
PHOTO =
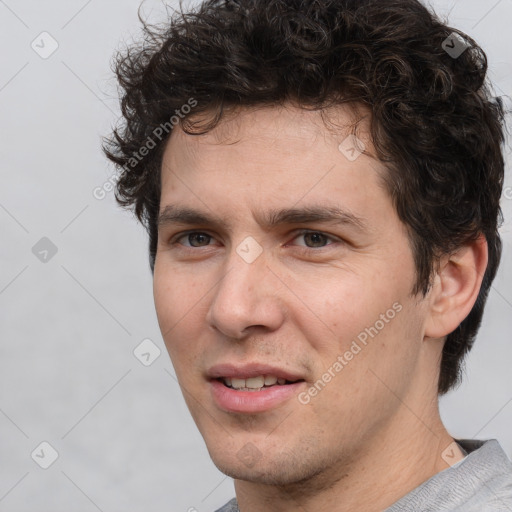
246,371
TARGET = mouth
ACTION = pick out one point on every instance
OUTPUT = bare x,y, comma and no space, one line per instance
252,388
255,383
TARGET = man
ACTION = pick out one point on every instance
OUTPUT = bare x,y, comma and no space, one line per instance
320,181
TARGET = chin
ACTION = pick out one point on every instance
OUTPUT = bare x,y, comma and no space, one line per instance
279,469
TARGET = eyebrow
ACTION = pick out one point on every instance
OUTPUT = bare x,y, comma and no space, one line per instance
173,214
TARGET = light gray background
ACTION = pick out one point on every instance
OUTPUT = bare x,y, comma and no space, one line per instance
69,326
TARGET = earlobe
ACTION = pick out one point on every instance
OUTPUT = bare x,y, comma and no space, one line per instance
456,287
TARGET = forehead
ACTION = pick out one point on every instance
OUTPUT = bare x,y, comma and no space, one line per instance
273,157
277,125
286,135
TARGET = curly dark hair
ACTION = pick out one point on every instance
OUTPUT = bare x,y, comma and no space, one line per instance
434,123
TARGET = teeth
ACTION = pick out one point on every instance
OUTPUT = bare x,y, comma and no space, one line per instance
237,383
253,383
270,380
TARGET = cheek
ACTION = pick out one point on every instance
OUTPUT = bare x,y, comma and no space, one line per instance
179,302
340,307
178,306
364,304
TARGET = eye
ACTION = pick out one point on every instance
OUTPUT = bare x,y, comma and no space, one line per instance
195,239
314,239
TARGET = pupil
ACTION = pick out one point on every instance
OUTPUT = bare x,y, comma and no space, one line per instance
317,239
199,238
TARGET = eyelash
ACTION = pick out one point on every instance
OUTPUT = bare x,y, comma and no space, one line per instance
175,240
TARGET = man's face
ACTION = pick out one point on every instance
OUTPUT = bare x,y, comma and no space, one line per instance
323,303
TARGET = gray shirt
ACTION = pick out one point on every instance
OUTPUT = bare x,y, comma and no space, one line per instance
481,482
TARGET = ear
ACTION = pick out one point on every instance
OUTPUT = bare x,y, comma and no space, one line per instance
455,289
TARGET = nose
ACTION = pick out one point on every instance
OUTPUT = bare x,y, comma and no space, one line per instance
246,298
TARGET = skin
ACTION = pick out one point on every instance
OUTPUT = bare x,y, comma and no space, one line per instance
373,433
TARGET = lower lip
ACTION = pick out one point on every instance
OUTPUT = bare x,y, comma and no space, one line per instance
232,400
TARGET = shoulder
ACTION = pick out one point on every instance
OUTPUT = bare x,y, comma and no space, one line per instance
494,494
482,481
231,506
